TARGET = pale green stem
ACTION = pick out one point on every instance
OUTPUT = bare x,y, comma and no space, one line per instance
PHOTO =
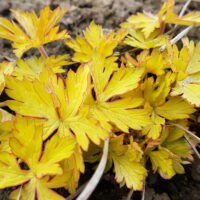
130,194
93,182
78,191
143,191
2,104
19,194
192,145
43,52
177,38
188,139
187,3
186,130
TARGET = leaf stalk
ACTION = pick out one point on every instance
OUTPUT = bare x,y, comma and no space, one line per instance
93,182
43,52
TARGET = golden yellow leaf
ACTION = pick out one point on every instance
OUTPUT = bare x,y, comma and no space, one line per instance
190,19
44,193
27,145
149,23
35,188
136,39
162,162
6,125
109,83
10,172
57,102
187,67
154,129
155,94
156,91
56,150
176,143
6,68
171,111
124,114
174,151
36,31
95,40
31,68
127,163
154,63
72,167
146,22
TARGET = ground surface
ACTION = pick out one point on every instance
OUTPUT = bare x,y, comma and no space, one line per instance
110,13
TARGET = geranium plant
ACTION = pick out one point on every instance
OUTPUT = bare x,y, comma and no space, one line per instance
123,99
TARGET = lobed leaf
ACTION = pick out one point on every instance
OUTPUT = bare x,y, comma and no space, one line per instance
35,32
127,163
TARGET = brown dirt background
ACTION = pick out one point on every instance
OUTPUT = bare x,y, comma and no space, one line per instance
110,13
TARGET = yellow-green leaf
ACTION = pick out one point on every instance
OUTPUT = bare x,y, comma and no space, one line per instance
32,67
175,108
35,32
136,39
10,172
162,162
95,40
59,103
127,163
6,68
